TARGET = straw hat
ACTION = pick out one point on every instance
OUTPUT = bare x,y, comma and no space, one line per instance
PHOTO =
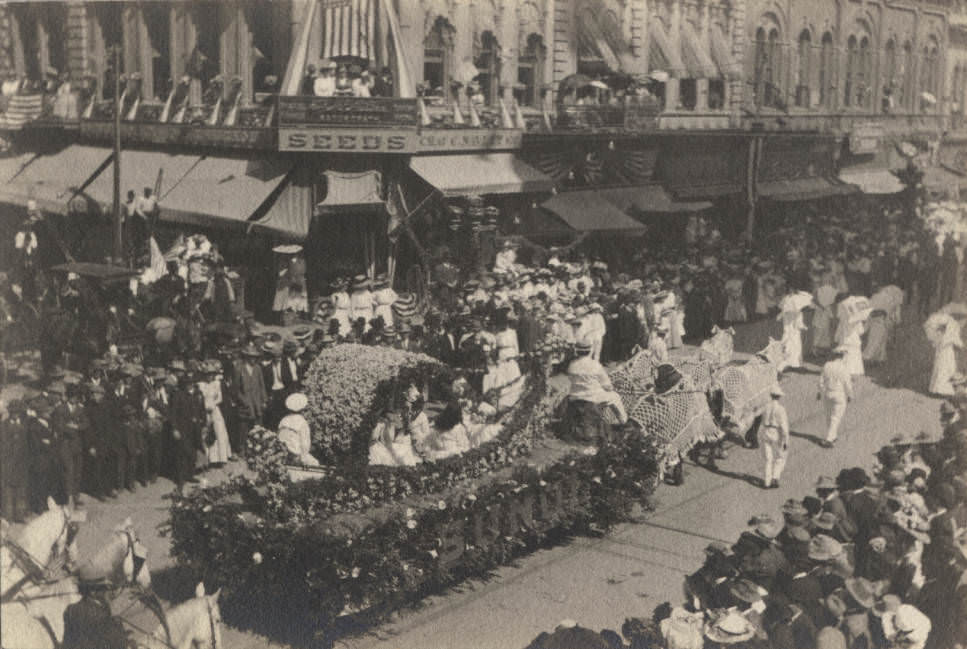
296,402
730,628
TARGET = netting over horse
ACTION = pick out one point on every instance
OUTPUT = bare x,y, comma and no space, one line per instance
745,388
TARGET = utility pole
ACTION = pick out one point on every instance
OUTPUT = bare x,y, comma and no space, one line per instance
118,221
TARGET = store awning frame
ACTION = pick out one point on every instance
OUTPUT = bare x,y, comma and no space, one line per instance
477,174
590,211
52,180
671,60
651,199
722,54
804,189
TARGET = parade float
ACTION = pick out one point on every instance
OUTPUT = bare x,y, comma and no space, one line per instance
304,551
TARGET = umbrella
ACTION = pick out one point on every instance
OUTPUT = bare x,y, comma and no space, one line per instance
937,326
855,308
887,298
599,84
574,81
795,302
928,98
659,75
956,309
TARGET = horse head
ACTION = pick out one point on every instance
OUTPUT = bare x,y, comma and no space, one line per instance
122,561
46,544
774,353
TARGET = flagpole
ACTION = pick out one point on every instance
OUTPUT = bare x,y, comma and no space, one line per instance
118,224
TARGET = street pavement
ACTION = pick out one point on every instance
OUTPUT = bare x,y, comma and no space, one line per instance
599,582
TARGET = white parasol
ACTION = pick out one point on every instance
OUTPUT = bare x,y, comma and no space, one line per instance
939,326
855,308
795,302
887,298
956,309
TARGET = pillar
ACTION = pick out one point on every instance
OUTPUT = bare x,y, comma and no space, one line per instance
508,28
701,95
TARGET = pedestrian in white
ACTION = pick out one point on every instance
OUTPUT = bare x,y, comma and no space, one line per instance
774,439
945,358
835,390
792,328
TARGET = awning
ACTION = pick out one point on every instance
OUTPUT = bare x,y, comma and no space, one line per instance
661,54
222,189
722,54
489,173
941,180
698,63
589,211
873,181
139,169
650,198
804,189
51,179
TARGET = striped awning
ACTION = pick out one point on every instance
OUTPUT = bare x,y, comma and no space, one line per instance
662,55
21,110
488,173
698,63
722,54
348,28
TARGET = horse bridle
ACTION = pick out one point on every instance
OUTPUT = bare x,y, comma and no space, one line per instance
211,622
31,567
137,560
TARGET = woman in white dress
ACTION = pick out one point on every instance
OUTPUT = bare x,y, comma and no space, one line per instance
384,296
735,308
876,336
853,341
341,306
945,359
792,328
504,378
211,389
361,301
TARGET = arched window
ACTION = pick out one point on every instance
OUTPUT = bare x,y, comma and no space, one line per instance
936,75
759,75
774,70
805,61
826,65
530,71
864,76
852,66
909,76
487,59
889,64
437,55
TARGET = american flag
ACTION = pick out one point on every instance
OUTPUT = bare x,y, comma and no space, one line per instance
349,28
20,110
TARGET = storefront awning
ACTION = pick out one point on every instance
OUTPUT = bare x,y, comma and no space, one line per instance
722,54
698,63
222,189
590,211
939,180
661,54
804,189
873,181
650,198
489,173
52,179
14,165
139,169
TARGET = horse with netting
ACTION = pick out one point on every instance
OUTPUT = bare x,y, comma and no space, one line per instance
677,419
745,389
718,349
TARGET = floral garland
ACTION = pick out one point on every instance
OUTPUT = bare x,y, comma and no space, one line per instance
282,558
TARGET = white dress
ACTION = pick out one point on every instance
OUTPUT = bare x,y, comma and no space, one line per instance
945,362
853,342
735,309
221,450
792,328
341,306
384,299
504,378
361,306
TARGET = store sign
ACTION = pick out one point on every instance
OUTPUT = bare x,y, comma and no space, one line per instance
398,140
865,139
348,111
181,134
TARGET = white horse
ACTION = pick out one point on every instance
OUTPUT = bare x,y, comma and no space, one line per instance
122,561
34,579
194,624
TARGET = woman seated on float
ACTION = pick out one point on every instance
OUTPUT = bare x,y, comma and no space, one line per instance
503,383
294,430
465,417
391,444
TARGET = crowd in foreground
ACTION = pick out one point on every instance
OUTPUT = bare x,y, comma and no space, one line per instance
863,562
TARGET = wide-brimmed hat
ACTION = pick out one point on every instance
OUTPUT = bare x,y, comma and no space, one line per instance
824,548
360,282
302,332
826,520
907,619
794,507
666,378
730,628
746,591
296,402
889,603
250,350
582,346
766,526
825,482
861,590
288,249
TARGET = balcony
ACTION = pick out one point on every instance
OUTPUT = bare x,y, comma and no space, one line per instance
844,122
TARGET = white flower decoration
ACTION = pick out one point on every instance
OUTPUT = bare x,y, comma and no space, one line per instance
441,505
355,572
434,554
410,513
411,524
256,558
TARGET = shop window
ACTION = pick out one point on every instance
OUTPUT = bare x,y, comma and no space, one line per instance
827,61
759,61
437,57
487,60
530,72
688,94
716,94
802,85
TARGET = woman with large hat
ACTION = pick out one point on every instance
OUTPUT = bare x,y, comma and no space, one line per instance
361,301
341,305
384,296
218,449
591,383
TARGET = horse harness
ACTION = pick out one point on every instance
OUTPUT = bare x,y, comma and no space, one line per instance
31,567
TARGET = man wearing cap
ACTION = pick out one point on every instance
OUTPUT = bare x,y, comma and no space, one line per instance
89,623
835,390
591,383
774,439
294,430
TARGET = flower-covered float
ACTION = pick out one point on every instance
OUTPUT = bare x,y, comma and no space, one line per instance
300,550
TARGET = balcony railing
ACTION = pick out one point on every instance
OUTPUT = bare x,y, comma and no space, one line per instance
800,119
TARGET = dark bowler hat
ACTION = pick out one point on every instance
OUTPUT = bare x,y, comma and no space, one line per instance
667,378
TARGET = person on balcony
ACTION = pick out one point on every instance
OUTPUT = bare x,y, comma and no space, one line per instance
324,85
362,85
383,87
344,86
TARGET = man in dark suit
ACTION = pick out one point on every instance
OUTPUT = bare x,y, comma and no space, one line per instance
529,333
251,395
89,623
98,461
440,343
187,417
292,373
69,423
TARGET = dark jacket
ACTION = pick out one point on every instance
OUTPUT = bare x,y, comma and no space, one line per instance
187,416
88,624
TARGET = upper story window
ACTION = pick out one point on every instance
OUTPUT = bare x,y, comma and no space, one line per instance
888,76
909,77
803,92
767,67
530,72
864,74
437,59
852,67
487,60
827,63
